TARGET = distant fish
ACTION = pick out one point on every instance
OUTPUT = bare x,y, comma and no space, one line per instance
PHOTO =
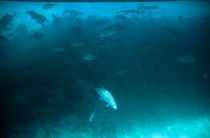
78,43
110,31
173,31
59,51
205,76
131,11
37,35
21,28
186,59
71,13
56,19
119,73
92,116
107,97
147,7
3,38
39,18
48,6
89,57
5,21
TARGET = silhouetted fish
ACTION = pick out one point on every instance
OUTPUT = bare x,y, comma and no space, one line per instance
37,35
3,38
48,6
39,18
5,21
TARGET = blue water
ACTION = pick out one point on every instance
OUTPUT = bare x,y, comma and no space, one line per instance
152,58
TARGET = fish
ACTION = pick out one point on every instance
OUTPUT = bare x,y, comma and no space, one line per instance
59,51
173,31
186,59
48,6
130,11
89,57
77,43
3,38
119,73
21,28
112,30
92,116
106,96
205,76
37,35
56,19
39,18
144,7
5,21
73,13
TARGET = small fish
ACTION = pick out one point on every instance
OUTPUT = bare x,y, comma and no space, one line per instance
59,51
73,13
78,43
119,73
205,76
37,35
89,57
173,31
186,59
48,6
92,116
3,38
107,97
39,18
143,7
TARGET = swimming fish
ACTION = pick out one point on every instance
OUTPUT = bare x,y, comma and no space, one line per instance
111,31
37,35
48,6
89,57
186,59
5,21
92,116
107,97
39,18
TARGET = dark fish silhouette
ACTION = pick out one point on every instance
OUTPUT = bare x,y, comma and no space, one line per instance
3,38
39,18
143,7
37,35
56,19
5,21
48,6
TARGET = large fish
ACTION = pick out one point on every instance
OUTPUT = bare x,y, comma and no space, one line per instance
39,18
107,97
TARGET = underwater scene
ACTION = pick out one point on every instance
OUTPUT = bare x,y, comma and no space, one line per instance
105,69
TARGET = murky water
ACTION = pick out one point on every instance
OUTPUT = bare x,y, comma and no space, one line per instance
150,59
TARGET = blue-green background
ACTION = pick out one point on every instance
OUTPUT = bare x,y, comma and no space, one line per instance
47,94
